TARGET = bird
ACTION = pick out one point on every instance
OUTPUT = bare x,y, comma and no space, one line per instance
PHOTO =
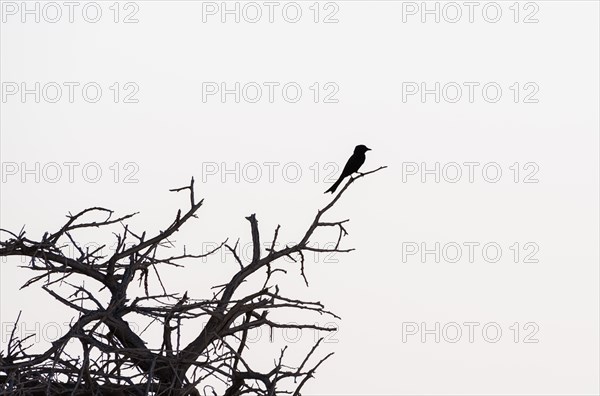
353,165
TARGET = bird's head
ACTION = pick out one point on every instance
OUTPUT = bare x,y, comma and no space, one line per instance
361,148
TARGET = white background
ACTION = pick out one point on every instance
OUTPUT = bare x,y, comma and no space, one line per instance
171,134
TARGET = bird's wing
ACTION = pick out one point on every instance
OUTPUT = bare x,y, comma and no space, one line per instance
348,168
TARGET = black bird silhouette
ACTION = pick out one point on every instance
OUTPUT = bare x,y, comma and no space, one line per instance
353,165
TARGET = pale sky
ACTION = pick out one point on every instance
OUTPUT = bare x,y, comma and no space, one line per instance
485,220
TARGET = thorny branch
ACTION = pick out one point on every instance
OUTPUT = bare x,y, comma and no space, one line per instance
113,358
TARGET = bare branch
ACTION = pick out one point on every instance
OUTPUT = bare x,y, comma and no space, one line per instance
115,357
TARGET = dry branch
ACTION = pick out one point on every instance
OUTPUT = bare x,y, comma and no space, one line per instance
112,358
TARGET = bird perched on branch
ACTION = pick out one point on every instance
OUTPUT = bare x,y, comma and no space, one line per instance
353,165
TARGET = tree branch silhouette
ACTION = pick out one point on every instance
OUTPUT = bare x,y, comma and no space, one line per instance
113,358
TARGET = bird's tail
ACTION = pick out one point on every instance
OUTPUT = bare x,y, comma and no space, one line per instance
335,186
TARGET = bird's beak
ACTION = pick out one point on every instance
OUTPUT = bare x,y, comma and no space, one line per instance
368,149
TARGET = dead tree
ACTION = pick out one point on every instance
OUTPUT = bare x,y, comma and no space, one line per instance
112,358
